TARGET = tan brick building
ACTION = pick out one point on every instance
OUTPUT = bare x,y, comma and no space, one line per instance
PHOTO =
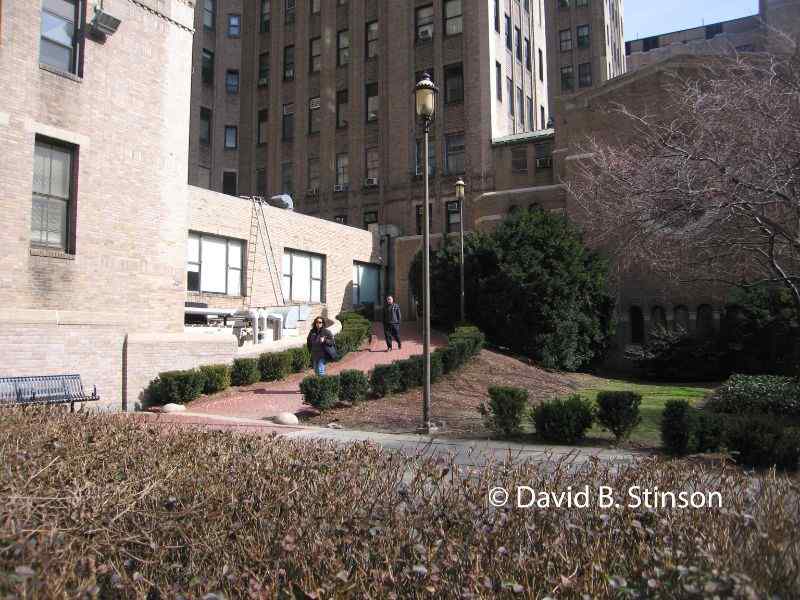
98,221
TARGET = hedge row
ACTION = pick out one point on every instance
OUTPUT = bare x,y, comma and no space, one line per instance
399,376
758,440
179,387
758,394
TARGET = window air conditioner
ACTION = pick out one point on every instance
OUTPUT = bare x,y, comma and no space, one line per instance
340,187
371,182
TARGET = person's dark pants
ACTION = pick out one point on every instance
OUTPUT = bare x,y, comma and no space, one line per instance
392,330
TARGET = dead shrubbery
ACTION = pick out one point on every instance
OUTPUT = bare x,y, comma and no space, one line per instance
98,506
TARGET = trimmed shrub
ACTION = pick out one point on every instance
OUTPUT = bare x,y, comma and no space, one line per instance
217,378
320,392
758,394
446,356
564,420
353,386
385,379
245,371
676,427
355,329
762,442
301,359
274,366
506,410
412,372
619,412
470,334
176,387
708,431
437,367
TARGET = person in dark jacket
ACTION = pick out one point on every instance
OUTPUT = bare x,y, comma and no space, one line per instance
391,323
318,339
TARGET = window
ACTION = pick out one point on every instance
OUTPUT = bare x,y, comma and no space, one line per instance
541,65
209,14
419,218
289,11
315,59
341,219
519,160
341,108
528,61
214,264
518,38
234,26
418,169
543,123
565,39
373,161
263,69
231,137
453,17
288,63
497,16
581,3
205,125
521,106
315,7
343,170
508,33
207,68
498,72
544,155
454,83
585,74
370,217
59,44
454,154
563,4
567,78
372,39
53,184
453,210
313,173
424,23
261,182
366,284
232,81
287,124
637,325
303,275
651,43
527,5
266,11
343,48
373,102
229,183
531,121
287,178
313,115
583,36
510,87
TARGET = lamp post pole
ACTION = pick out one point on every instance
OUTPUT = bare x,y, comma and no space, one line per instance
460,197
425,93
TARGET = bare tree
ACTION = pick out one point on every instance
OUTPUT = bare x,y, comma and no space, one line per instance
709,188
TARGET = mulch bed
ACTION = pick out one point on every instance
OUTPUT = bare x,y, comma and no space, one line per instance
454,399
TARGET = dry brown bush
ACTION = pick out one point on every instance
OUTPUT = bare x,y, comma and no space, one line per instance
98,506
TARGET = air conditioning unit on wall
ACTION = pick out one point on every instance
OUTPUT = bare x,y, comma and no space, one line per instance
371,182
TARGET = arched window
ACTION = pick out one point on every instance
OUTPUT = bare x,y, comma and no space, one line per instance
637,325
658,318
734,315
682,319
705,320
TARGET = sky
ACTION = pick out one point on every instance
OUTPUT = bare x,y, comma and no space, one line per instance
644,18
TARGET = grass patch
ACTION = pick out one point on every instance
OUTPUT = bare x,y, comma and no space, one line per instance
654,398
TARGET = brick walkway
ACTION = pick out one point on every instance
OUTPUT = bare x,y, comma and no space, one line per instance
264,400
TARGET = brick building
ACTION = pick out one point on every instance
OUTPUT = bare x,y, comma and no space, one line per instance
102,236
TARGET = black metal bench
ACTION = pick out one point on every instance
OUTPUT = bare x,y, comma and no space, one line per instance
44,389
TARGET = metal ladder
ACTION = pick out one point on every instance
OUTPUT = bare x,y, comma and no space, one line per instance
259,229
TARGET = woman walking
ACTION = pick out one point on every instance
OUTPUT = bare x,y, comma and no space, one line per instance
320,344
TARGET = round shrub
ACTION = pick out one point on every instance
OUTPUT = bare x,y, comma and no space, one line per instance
676,427
353,386
385,379
412,373
619,412
245,371
564,420
176,387
301,359
217,378
708,431
506,410
320,392
274,366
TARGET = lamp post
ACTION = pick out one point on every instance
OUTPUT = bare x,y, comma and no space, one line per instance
425,103
460,185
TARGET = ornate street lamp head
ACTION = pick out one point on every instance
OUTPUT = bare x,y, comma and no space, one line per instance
425,94
460,185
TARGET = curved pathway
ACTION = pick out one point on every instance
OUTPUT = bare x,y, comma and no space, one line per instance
264,400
